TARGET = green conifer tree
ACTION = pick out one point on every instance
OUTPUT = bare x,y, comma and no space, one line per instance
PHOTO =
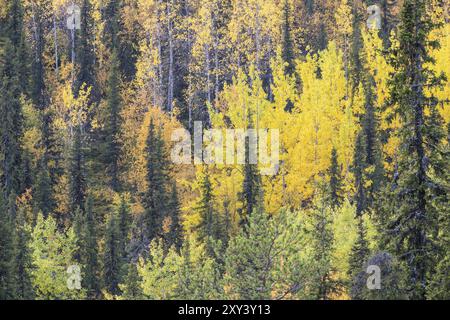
335,187
410,210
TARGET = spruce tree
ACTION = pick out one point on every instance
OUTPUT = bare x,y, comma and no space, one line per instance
85,50
174,235
358,171
335,187
410,210
123,225
288,47
7,279
112,128
131,287
251,190
43,193
358,257
84,227
155,198
373,164
11,122
12,28
90,241
22,261
112,260
208,229
247,260
323,243
77,178
50,165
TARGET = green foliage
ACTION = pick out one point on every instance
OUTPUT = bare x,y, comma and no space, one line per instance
253,258
53,251
85,229
131,288
335,192
155,198
209,227
112,256
410,209
191,274
112,127
77,174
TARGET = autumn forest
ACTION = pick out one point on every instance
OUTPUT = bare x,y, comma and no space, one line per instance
352,96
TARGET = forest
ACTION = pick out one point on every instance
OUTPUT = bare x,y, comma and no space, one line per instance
92,205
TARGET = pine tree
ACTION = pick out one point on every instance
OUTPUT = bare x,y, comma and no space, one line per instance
411,211
335,193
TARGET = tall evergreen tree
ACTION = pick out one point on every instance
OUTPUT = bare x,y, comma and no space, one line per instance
123,225
43,193
112,128
7,285
85,50
288,45
358,171
174,235
155,198
323,244
22,258
77,178
335,187
411,211
12,28
11,121
208,229
247,261
251,188
131,286
84,227
372,149
358,258
112,259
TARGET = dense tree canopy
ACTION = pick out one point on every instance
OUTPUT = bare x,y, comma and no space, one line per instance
351,130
